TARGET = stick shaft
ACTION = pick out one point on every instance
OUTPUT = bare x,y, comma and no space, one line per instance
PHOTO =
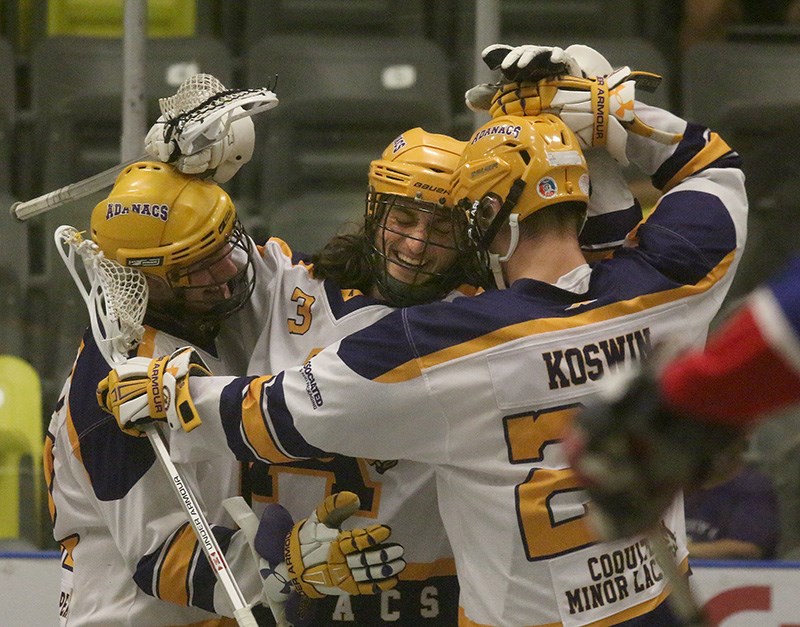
74,191
216,558
681,599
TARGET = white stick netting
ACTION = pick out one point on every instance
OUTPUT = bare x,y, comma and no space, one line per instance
193,92
116,295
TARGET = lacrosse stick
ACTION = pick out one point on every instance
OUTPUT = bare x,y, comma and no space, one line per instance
197,116
116,297
682,599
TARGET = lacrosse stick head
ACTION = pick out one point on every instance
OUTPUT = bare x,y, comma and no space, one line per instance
202,111
183,234
115,296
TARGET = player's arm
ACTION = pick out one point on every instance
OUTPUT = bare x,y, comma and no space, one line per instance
702,216
613,211
343,400
311,558
122,485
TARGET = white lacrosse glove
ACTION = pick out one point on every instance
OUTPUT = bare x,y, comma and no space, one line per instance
529,62
221,159
599,110
266,538
577,84
143,390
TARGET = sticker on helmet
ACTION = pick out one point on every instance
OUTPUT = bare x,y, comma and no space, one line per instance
547,187
398,143
145,262
153,210
564,157
584,183
497,129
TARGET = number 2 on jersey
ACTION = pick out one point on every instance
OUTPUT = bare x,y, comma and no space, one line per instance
550,502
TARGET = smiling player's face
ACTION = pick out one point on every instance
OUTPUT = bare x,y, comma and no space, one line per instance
418,244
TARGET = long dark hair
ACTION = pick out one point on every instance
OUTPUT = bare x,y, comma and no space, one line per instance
345,260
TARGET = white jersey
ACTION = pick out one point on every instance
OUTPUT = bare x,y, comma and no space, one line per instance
305,315
486,385
113,508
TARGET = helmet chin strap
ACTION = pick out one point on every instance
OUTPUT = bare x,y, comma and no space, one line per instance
495,260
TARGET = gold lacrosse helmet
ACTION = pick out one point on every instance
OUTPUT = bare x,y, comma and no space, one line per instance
176,228
411,183
518,165
511,168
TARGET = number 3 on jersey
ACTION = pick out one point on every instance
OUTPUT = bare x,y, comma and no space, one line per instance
301,323
550,502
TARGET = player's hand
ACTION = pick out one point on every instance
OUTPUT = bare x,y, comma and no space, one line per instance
221,160
600,110
266,537
323,559
529,62
634,453
143,390
315,557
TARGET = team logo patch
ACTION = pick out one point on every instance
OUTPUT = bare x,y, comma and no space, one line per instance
547,187
152,210
311,386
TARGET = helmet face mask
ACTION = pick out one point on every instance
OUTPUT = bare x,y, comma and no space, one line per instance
217,285
417,247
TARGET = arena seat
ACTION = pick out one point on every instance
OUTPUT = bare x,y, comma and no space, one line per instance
332,17
575,19
21,440
104,18
721,75
307,221
13,280
339,108
8,112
